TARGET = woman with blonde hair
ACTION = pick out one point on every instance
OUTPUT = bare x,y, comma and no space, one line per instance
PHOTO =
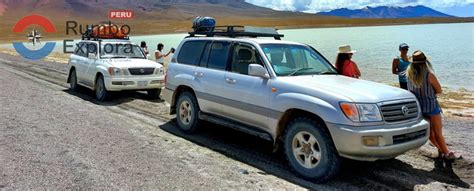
423,83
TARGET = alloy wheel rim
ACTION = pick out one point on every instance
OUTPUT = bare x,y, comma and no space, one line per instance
306,149
185,111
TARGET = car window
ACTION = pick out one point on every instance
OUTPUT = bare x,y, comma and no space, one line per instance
287,59
244,55
218,55
205,55
191,52
81,49
91,48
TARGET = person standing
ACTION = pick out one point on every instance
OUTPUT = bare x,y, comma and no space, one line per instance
400,65
144,48
425,86
159,56
344,65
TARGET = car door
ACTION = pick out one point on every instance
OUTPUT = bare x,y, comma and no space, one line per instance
209,76
247,97
81,59
90,63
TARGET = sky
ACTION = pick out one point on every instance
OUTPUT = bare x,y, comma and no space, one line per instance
461,8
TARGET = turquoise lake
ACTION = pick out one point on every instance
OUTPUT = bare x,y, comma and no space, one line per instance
450,48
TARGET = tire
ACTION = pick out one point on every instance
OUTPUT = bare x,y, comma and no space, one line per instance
154,93
100,90
187,114
310,151
73,80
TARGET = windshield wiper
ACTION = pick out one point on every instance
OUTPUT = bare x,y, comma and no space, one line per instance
329,72
136,57
115,57
298,70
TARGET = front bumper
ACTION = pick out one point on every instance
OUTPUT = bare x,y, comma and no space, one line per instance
393,140
134,83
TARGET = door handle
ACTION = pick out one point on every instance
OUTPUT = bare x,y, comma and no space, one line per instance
230,81
198,74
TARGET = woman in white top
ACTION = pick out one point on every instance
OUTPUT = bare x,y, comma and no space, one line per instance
159,56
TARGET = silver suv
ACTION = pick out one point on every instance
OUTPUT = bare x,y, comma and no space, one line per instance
288,93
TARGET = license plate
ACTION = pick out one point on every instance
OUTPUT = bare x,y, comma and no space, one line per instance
142,83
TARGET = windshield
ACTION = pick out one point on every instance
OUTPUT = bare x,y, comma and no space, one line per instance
117,50
292,60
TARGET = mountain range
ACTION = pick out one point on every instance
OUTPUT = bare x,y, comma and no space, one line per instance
386,12
157,9
175,16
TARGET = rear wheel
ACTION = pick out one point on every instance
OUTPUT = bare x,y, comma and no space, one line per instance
101,92
187,112
154,93
310,151
73,80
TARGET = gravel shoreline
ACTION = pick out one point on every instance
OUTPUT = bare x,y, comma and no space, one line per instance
130,142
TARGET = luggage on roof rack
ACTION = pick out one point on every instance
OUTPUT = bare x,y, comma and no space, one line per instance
237,31
107,31
204,24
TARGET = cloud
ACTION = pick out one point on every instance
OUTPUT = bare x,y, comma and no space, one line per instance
313,6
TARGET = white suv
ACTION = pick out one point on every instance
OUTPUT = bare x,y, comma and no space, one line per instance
117,65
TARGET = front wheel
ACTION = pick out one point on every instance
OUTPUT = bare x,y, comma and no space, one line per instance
73,80
310,151
101,92
187,112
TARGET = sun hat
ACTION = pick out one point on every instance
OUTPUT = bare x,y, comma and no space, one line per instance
345,49
403,45
418,57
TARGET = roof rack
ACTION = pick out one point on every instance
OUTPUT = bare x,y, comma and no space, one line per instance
84,37
237,31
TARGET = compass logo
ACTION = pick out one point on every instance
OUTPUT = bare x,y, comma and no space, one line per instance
24,23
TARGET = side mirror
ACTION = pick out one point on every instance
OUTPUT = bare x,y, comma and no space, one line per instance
258,70
91,55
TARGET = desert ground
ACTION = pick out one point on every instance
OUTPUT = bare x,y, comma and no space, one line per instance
52,138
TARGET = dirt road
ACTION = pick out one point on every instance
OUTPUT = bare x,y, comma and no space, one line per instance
53,138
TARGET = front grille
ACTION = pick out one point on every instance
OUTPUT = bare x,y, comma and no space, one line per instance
397,139
395,112
141,71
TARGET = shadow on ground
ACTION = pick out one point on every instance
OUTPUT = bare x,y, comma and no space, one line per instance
115,98
386,174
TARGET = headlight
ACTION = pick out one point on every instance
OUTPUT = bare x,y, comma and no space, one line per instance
361,112
159,70
115,71
369,112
